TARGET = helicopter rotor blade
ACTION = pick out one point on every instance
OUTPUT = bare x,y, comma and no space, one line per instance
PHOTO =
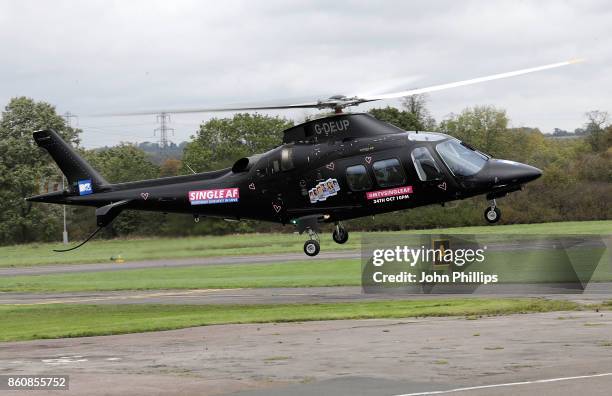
462,83
313,105
338,102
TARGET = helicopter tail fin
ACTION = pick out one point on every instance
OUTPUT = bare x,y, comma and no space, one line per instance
82,177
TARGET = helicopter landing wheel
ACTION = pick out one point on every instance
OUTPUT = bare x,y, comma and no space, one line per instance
311,247
340,234
492,214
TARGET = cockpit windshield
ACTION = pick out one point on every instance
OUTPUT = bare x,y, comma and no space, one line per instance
460,159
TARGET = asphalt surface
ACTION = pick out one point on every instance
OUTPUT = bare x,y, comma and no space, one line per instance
186,262
597,292
531,354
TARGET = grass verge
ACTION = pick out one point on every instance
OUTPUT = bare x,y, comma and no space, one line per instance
60,321
291,274
517,267
163,248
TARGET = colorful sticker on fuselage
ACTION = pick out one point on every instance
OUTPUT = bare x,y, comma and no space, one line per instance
323,190
214,196
85,187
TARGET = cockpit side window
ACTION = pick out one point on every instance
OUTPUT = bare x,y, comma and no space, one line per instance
461,159
425,165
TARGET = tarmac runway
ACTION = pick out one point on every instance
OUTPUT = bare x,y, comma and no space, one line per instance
531,354
596,293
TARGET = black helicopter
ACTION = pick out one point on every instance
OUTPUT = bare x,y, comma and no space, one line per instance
327,170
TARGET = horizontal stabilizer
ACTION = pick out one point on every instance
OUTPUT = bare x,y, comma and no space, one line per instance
54,197
106,214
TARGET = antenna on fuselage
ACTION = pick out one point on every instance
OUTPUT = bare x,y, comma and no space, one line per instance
192,171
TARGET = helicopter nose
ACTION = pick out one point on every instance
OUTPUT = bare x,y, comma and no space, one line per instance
510,172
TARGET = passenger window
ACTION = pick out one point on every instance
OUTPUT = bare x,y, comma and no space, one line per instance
425,165
357,178
389,173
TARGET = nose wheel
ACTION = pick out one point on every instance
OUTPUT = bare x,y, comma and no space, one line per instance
492,214
340,234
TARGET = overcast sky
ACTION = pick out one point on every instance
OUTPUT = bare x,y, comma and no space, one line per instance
106,56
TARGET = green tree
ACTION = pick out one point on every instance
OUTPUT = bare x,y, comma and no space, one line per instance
24,168
598,130
122,163
414,117
417,106
170,167
221,141
481,126
400,118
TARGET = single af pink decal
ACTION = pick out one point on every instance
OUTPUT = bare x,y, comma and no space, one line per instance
215,196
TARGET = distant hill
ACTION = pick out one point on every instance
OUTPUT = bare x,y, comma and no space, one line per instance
563,134
157,156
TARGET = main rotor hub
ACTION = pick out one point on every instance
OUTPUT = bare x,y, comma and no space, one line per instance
339,102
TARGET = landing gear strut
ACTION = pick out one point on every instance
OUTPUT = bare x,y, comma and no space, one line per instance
492,214
340,234
311,246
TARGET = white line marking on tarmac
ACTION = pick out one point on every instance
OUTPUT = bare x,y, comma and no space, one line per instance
185,293
543,381
64,360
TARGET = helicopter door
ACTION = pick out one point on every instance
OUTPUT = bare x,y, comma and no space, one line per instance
271,174
425,165
263,182
433,180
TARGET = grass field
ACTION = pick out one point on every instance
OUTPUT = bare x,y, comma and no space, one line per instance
160,248
58,321
292,274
